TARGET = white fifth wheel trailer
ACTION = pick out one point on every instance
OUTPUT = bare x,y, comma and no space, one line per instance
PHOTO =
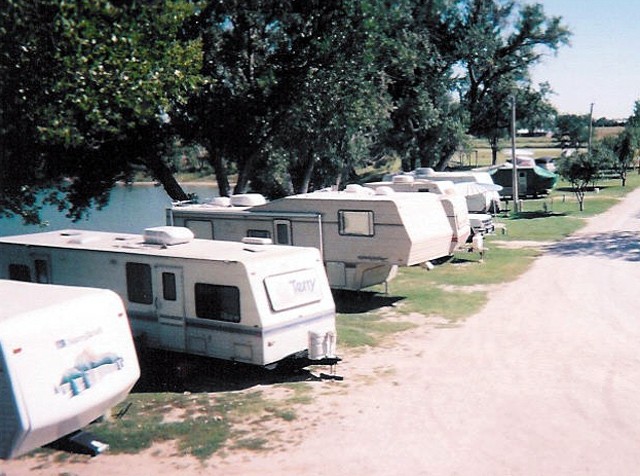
66,358
471,192
250,303
476,185
363,236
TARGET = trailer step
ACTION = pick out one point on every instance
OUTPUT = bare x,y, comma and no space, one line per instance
81,442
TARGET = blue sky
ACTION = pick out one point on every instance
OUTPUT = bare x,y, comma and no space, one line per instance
602,64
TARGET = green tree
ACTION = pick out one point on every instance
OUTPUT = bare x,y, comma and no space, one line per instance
536,110
340,104
415,55
248,91
572,130
95,84
497,42
580,170
626,145
290,80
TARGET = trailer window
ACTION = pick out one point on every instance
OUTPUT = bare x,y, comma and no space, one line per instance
19,272
220,303
139,287
359,223
169,291
200,228
258,234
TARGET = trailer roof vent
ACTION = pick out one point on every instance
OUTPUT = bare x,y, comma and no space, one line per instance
70,233
255,240
220,201
353,188
425,171
82,238
167,235
403,179
384,190
247,200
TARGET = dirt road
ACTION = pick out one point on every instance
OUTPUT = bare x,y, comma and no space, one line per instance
544,381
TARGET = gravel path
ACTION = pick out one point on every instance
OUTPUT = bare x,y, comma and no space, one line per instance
544,380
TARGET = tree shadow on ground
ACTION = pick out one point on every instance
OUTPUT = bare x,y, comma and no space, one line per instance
590,188
536,214
358,302
622,245
163,371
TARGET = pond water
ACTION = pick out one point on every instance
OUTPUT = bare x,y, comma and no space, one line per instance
131,209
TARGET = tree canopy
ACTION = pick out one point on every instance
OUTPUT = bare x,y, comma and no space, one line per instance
572,130
88,89
287,95
625,147
497,44
580,170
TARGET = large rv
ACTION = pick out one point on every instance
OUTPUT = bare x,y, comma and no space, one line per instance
363,236
454,197
477,185
66,358
250,303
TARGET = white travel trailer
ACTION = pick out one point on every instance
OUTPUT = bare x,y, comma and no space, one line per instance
455,197
66,358
249,303
481,198
363,236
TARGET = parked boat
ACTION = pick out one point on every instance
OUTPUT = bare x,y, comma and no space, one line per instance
533,180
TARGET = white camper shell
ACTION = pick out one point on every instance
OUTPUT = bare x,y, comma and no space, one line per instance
363,236
249,303
66,357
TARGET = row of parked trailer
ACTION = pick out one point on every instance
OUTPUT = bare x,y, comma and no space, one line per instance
214,281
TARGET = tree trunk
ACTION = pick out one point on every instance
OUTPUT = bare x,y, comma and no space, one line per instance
442,163
306,175
163,174
494,150
412,163
244,174
220,169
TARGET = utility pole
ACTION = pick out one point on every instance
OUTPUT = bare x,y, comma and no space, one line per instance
590,128
514,178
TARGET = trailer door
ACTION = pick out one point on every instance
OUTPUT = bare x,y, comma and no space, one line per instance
41,268
169,303
522,183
